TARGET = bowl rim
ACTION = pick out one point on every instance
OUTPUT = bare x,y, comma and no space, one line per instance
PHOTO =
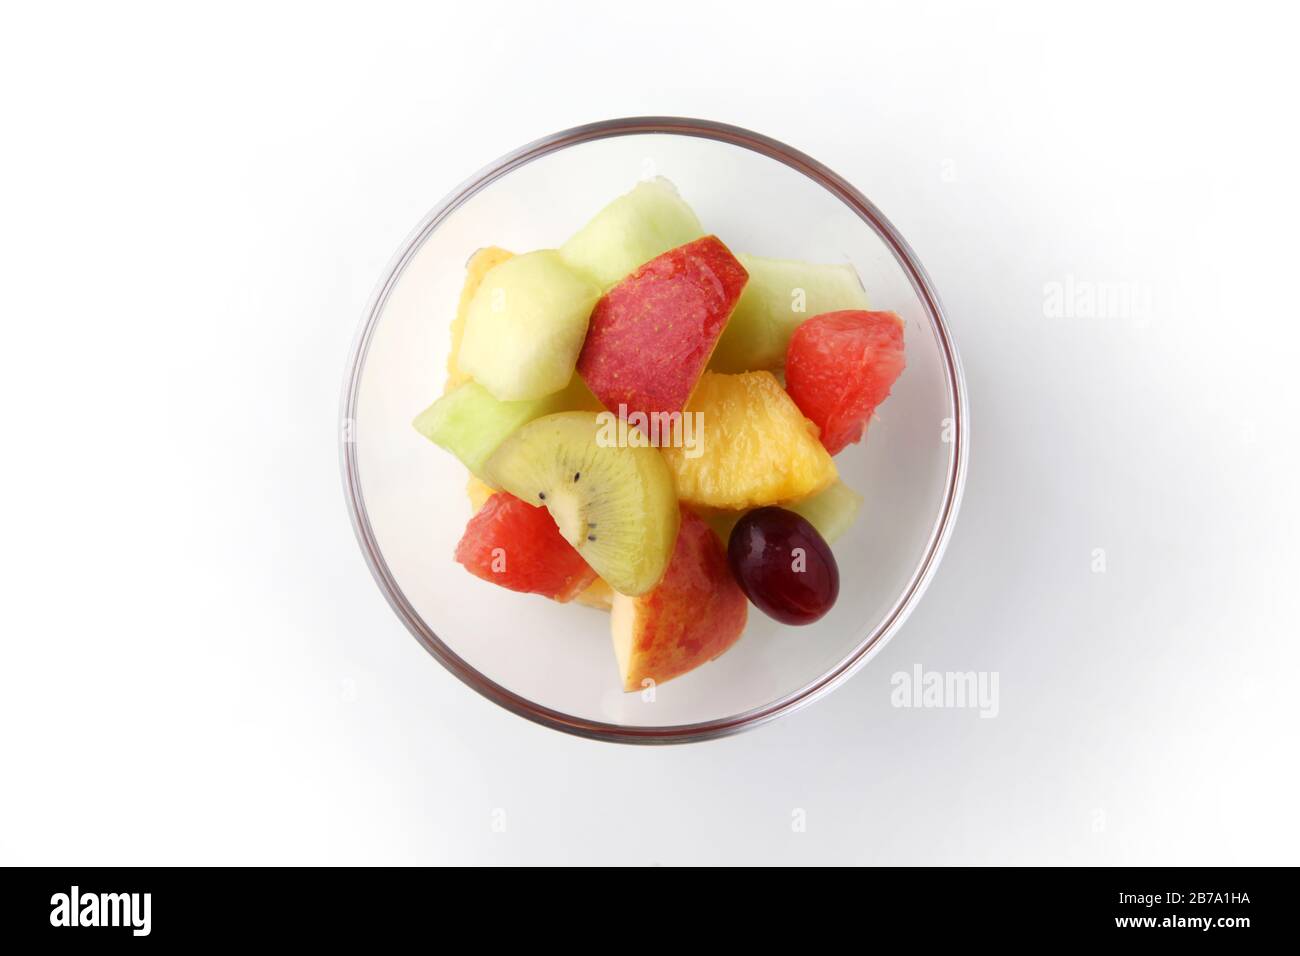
866,648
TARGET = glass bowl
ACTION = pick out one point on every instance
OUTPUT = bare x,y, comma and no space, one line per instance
554,663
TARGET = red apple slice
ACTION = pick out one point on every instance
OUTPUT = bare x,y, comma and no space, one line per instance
692,616
651,335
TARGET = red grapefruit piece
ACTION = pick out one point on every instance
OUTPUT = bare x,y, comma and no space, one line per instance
840,366
513,544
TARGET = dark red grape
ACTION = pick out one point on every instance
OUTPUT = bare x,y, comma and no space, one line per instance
783,565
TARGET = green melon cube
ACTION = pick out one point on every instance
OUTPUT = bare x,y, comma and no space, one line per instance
630,231
780,295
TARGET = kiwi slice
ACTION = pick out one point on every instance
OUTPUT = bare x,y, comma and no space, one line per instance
614,503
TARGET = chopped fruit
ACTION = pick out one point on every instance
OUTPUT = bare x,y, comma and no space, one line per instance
754,446
779,297
478,266
784,566
614,503
832,511
841,366
478,492
598,595
651,335
471,424
525,325
631,231
659,416
693,615
511,543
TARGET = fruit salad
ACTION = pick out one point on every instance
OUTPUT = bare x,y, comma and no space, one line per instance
649,420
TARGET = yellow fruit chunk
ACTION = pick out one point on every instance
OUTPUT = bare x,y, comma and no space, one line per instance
479,492
478,266
757,448
598,594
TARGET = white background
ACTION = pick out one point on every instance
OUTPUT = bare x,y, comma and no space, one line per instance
196,664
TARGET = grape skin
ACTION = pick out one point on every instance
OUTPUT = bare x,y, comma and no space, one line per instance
794,588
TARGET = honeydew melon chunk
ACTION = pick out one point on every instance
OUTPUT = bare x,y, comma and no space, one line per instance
779,296
831,511
471,424
525,325
630,231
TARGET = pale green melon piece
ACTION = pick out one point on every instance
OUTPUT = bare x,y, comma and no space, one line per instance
630,231
471,424
525,325
779,296
831,511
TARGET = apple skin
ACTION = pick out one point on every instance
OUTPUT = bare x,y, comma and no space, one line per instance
651,335
695,613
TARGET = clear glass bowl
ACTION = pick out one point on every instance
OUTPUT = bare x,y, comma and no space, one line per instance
554,663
